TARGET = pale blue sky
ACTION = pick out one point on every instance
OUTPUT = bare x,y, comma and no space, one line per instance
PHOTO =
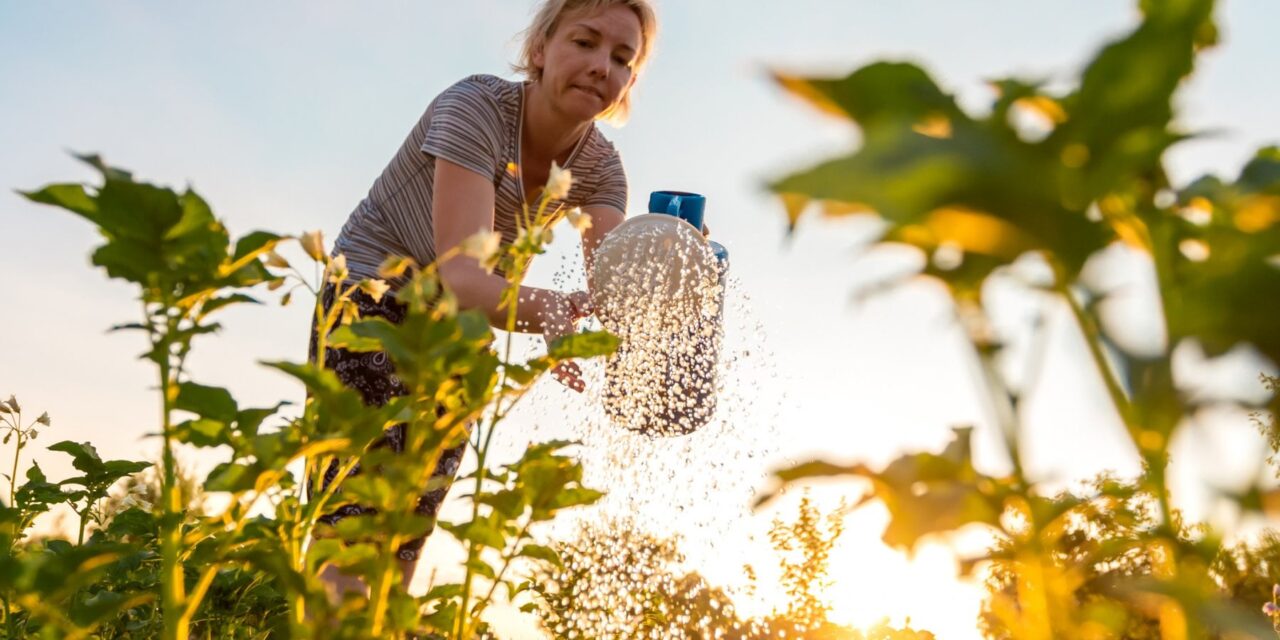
281,115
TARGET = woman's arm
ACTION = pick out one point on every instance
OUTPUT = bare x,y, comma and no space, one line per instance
604,219
463,205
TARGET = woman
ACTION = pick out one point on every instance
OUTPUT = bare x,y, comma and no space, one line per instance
481,150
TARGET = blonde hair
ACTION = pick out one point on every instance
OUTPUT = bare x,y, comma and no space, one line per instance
548,19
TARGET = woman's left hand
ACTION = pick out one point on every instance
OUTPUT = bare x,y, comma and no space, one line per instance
560,317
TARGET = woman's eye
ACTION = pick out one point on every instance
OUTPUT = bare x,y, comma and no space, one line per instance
582,43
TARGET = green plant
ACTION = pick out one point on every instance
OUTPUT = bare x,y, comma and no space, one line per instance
804,552
976,194
249,569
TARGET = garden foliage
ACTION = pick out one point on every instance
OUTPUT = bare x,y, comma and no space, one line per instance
1055,178
248,568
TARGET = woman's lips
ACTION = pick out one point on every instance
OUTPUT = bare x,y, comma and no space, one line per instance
589,91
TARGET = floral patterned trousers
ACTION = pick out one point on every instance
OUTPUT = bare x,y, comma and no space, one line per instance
373,375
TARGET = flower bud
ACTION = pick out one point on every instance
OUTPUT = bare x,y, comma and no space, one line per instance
44,419
276,260
338,271
13,404
313,243
375,288
395,266
1270,609
559,182
580,219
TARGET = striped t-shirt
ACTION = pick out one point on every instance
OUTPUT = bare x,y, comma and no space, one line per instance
475,123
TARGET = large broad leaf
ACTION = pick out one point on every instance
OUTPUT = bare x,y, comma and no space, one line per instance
925,493
1225,270
169,244
876,93
976,188
207,402
1126,91
98,474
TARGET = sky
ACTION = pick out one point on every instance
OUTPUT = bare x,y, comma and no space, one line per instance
281,116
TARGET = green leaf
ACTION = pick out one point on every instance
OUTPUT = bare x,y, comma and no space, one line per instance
345,338
584,345
477,531
231,477
875,93
71,197
539,552
444,592
217,303
202,432
482,568
196,218
256,242
215,403
249,420
84,456
134,522
108,172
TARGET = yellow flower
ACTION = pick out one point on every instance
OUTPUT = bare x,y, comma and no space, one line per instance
313,243
581,220
338,271
395,266
559,182
375,288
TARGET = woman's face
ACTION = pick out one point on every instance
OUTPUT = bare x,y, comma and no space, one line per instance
587,63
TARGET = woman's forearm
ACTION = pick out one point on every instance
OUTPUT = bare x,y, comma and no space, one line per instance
476,289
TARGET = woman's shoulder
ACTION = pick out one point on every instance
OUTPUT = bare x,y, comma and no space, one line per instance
501,90
598,151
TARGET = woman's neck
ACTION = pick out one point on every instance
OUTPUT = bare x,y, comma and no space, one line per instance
548,134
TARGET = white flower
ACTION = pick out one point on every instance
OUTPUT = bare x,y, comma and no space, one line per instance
558,182
581,220
483,246
375,288
313,243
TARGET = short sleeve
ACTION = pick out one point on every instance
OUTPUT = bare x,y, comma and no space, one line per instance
611,184
466,127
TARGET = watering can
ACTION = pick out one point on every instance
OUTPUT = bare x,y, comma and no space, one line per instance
658,284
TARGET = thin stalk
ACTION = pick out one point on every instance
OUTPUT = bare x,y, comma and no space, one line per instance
484,440
13,477
171,575
8,617
1093,339
507,561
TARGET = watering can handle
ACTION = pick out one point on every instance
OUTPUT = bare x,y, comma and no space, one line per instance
673,207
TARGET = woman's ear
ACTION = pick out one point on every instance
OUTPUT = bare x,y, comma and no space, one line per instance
539,56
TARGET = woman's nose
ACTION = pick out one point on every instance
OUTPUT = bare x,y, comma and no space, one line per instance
600,66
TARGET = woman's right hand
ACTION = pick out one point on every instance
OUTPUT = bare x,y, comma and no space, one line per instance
559,317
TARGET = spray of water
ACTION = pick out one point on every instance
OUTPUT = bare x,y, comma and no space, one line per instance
675,427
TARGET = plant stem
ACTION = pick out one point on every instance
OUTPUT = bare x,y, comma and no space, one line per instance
17,451
171,574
